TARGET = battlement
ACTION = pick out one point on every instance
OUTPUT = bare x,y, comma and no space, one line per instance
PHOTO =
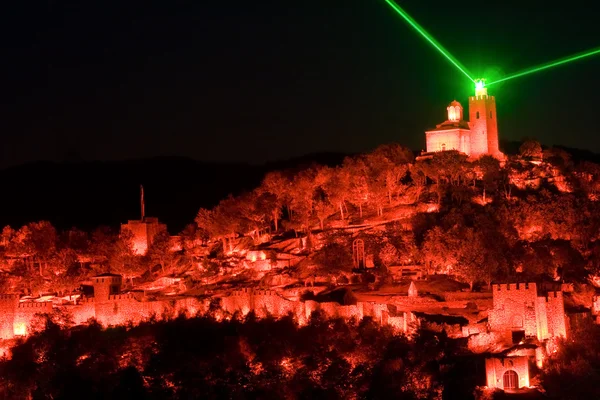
43,305
482,97
499,287
116,297
83,300
253,292
553,295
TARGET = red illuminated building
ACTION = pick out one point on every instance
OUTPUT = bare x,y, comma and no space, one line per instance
476,137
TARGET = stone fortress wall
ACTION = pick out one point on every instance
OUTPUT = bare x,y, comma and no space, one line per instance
526,307
537,312
108,309
518,307
268,302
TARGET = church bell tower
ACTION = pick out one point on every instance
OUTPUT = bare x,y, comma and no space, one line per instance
483,122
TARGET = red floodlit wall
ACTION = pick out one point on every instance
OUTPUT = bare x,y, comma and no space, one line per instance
453,139
514,308
8,307
517,306
82,312
143,233
267,302
496,368
25,313
555,309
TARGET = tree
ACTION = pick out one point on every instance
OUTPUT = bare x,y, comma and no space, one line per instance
222,222
389,255
161,251
43,240
7,234
121,258
253,213
490,174
323,209
336,187
278,185
359,183
531,149
572,371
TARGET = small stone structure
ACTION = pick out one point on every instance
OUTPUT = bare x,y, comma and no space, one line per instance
143,232
510,373
412,290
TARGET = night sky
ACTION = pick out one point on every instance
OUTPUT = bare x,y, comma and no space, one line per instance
265,80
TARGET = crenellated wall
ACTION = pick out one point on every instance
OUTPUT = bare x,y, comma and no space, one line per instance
519,307
16,317
514,307
25,312
268,302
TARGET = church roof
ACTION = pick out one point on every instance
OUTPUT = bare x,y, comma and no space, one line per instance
447,125
455,103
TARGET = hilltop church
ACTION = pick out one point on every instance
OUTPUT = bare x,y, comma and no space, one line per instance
476,137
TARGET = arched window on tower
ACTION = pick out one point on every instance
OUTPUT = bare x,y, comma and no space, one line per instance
477,114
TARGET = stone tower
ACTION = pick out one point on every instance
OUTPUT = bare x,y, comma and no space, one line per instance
483,122
106,285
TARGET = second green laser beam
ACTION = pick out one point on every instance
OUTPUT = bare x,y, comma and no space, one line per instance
429,38
548,65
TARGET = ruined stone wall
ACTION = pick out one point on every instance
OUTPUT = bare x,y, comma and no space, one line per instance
496,368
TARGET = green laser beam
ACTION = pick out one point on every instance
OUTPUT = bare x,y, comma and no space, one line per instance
551,64
429,38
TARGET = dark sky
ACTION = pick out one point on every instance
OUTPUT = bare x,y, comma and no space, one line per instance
262,80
